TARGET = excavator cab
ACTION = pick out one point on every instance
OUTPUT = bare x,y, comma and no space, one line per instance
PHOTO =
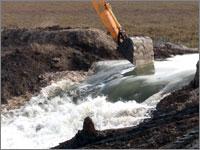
125,44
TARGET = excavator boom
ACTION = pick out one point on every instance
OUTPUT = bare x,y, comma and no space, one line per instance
108,18
125,44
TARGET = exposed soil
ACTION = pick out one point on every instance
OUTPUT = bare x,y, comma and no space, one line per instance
174,124
74,77
167,49
28,54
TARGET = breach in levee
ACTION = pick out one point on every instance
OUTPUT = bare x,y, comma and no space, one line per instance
138,50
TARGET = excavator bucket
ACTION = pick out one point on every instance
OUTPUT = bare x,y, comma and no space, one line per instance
126,48
137,50
125,44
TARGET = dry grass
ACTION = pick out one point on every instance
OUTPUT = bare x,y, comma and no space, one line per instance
170,21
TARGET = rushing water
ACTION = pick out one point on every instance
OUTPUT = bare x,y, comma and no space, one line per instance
115,96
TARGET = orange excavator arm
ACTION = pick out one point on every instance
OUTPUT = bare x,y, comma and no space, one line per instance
125,44
107,17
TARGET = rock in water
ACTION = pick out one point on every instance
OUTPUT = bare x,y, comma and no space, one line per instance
83,137
143,51
195,82
88,126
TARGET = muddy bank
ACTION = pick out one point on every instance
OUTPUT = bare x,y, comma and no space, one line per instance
28,54
48,78
163,50
174,124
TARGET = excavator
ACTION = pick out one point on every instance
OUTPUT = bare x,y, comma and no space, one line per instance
125,44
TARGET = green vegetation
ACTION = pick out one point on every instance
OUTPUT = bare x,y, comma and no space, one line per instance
171,21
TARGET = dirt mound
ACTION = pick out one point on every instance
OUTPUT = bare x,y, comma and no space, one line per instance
92,40
27,54
163,50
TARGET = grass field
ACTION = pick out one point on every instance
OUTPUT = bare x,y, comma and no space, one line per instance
171,21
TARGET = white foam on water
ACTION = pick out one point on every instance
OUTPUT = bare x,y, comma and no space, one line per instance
176,64
45,122
52,117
